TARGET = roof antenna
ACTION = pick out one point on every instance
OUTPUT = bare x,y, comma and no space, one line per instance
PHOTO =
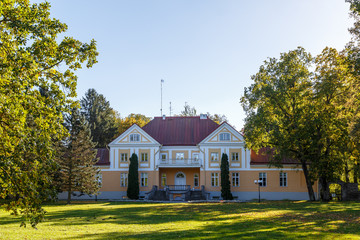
170,109
162,81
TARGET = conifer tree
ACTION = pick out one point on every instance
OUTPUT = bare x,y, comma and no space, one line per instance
100,116
133,181
77,158
225,182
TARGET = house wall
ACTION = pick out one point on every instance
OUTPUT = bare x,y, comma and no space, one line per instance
247,189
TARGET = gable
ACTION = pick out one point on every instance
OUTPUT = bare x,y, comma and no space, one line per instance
125,138
224,129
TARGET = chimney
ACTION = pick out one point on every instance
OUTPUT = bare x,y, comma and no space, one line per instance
203,116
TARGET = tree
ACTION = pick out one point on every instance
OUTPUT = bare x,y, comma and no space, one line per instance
303,115
218,118
77,159
30,55
133,178
278,113
225,181
191,111
188,111
101,117
139,119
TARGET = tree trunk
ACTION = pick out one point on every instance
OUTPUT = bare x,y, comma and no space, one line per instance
324,190
308,181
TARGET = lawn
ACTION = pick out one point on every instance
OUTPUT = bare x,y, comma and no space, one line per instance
135,220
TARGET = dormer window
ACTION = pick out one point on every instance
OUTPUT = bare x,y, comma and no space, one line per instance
224,136
135,138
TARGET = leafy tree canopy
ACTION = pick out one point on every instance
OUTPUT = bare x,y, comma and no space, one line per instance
30,54
131,119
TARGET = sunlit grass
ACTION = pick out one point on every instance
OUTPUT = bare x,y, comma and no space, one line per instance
121,220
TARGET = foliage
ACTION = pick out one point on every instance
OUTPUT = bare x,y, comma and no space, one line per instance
188,111
101,117
140,220
133,178
139,119
303,115
278,113
225,181
191,111
77,157
30,56
218,118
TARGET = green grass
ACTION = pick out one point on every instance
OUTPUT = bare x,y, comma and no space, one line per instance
136,220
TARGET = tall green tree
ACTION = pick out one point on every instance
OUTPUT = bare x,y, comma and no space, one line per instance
303,115
278,110
225,181
31,52
133,178
78,172
101,117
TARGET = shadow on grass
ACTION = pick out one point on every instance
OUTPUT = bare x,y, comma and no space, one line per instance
284,220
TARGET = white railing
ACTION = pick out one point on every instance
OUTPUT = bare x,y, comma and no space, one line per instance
191,162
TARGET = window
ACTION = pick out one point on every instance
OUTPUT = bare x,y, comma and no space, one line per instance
144,179
163,157
163,179
144,157
135,138
235,156
262,176
196,156
179,155
196,180
215,179
283,179
124,179
224,136
123,157
99,178
235,179
214,157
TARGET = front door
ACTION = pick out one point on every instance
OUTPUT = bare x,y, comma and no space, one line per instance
180,179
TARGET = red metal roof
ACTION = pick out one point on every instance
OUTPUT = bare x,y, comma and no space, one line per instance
103,155
180,131
264,156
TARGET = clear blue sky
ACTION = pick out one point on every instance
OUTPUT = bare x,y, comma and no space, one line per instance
205,50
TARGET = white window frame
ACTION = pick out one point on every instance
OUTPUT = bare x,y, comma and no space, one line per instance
180,156
283,179
144,179
123,156
235,179
214,157
263,178
124,179
196,180
135,137
214,179
161,157
99,177
223,138
235,156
